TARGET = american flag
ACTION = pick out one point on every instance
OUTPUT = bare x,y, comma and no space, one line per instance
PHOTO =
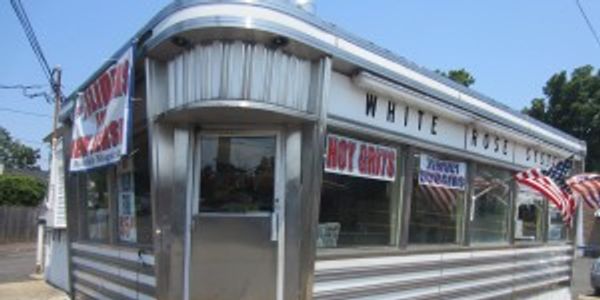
552,184
586,187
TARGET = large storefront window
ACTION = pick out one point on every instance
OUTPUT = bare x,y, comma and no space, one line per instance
120,194
358,204
97,199
438,192
529,215
355,212
490,205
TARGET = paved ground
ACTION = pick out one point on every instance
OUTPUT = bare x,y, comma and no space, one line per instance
30,290
17,263
581,279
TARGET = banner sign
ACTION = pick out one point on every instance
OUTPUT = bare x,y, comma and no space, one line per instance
442,173
361,159
101,118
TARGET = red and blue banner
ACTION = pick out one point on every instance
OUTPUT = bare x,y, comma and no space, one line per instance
101,117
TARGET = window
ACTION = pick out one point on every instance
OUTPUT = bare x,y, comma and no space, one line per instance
359,201
557,231
356,212
438,192
529,215
490,205
120,194
237,174
134,210
97,199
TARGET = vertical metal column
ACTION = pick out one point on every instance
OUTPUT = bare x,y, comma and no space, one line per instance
313,149
160,138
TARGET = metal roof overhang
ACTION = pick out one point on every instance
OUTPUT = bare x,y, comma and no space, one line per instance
286,20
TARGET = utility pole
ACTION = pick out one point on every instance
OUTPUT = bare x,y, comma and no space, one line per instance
57,72
52,186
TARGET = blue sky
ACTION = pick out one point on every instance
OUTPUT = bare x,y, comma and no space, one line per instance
511,47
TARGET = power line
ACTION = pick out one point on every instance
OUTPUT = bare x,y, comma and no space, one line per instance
22,112
25,90
20,86
32,38
589,24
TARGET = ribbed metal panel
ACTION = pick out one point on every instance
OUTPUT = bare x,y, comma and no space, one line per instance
239,71
102,272
489,274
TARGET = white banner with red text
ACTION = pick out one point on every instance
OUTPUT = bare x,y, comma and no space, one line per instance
100,123
352,157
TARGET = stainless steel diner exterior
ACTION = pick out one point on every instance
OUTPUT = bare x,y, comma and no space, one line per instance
265,89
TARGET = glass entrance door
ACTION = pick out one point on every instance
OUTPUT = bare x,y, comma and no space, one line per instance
235,223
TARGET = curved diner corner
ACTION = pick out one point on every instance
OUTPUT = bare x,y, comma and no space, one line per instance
218,79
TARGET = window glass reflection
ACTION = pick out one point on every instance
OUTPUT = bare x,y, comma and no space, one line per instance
237,174
557,231
97,198
529,215
490,205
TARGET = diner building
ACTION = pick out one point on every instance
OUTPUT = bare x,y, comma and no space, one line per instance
265,154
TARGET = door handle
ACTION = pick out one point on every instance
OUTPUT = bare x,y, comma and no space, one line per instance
274,226
275,221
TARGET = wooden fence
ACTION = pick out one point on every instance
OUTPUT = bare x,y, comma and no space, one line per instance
18,224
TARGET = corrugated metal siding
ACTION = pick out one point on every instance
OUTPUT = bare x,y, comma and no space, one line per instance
102,272
492,274
239,71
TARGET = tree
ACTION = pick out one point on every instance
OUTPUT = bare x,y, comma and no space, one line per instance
573,105
460,76
21,190
15,155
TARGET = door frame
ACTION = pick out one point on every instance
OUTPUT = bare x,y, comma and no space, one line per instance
193,192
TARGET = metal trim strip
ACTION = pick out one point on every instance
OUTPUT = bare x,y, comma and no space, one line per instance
120,253
383,261
105,285
123,282
126,274
237,103
401,280
452,269
88,292
506,284
94,291
367,291
472,290
128,265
